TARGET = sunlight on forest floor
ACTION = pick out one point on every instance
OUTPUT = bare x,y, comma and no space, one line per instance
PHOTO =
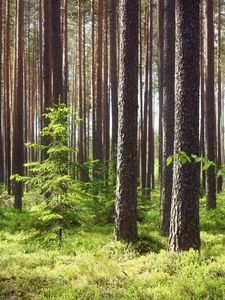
92,266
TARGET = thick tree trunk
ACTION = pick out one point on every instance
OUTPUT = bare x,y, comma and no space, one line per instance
126,194
167,113
184,226
18,140
210,104
1,120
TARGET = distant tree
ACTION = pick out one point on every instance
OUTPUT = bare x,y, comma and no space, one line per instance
184,224
210,104
126,192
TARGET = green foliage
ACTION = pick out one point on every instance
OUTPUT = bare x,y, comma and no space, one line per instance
50,177
91,266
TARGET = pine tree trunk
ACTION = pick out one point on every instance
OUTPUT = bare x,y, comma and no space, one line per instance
150,139
56,51
99,82
184,226
7,115
219,179
168,113
18,140
126,194
160,21
113,75
210,104
1,120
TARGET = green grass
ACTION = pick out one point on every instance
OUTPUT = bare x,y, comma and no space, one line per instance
91,266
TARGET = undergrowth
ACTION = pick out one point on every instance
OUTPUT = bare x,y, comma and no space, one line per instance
91,266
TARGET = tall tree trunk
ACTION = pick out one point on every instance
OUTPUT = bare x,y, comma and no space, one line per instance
126,194
150,139
106,96
220,179
18,140
65,81
1,120
167,113
113,75
202,129
47,54
99,100
93,78
210,104
81,117
56,51
184,226
160,21
145,116
7,115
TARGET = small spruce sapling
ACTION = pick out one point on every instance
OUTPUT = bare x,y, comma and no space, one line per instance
51,176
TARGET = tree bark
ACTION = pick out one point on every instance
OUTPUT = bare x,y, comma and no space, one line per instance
184,226
126,192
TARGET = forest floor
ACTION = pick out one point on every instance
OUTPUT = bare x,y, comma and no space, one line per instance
91,266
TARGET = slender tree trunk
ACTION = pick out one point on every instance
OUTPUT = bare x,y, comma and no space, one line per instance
99,98
81,116
202,130
113,75
220,179
150,139
126,195
210,104
47,54
184,226
106,96
7,116
56,51
168,113
160,21
144,127
93,79
65,81
18,140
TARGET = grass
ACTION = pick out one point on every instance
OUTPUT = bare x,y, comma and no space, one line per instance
91,266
